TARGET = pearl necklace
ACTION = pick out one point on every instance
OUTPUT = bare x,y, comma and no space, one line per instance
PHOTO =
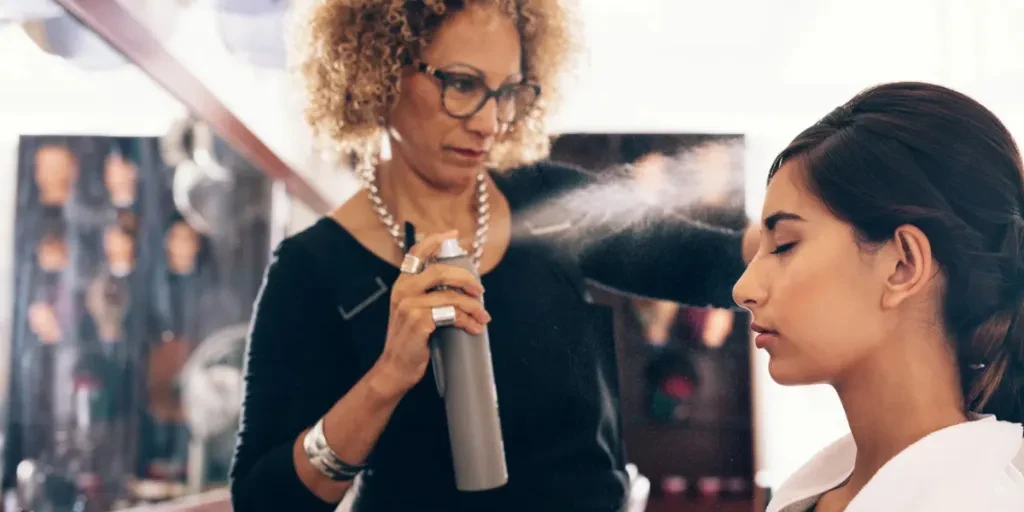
483,216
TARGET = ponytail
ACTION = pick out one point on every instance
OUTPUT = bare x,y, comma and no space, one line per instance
994,377
996,384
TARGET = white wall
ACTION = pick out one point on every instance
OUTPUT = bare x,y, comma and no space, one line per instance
768,69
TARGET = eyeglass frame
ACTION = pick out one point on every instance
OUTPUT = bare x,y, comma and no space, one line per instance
443,77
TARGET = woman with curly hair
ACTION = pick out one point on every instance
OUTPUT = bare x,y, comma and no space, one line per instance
337,379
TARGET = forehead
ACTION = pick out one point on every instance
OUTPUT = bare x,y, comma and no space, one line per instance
117,234
787,192
52,241
482,37
54,154
116,164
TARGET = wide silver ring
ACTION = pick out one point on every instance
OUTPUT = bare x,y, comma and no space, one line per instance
443,315
411,264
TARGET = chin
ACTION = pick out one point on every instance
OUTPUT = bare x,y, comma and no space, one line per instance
792,373
456,176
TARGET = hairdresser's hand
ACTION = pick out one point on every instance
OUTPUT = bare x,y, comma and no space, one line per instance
406,350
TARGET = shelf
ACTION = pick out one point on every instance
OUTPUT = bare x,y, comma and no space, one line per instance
660,505
740,424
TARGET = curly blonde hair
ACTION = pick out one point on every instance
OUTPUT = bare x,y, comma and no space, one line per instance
351,55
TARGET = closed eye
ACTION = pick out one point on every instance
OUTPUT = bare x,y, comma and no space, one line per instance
783,248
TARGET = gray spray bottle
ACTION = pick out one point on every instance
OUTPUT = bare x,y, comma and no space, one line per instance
465,379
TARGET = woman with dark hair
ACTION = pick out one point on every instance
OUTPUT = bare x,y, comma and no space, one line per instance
892,268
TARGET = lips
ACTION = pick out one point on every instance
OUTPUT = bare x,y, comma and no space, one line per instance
765,336
472,153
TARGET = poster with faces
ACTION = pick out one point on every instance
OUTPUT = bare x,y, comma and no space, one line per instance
114,289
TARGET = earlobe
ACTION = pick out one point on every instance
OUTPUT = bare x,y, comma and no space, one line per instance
911,265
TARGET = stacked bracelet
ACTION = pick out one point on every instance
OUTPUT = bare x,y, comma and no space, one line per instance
323,458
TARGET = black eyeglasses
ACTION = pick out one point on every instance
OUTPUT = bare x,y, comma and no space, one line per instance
463,94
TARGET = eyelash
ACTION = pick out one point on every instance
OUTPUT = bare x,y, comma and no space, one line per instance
783,248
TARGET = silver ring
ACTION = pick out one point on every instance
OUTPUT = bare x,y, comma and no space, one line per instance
411,264
443,315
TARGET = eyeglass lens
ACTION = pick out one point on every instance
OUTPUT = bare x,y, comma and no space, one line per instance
465,94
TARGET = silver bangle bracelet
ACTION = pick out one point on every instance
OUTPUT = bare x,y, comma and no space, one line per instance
323,458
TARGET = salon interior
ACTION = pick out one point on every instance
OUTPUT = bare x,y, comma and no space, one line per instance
168,135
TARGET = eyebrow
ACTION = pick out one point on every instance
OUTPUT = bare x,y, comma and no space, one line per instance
517,76
773,219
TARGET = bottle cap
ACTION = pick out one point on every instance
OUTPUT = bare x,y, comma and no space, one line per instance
450,249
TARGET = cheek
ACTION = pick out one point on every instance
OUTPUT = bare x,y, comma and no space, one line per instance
823,309
423,127
419,116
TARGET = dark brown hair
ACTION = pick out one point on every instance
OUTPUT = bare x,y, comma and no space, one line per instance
928,156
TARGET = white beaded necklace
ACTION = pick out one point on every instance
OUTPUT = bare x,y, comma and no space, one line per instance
483,216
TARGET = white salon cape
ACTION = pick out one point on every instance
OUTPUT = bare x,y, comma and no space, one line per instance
973,466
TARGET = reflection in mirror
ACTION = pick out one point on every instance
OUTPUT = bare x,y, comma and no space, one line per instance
120,289
140,240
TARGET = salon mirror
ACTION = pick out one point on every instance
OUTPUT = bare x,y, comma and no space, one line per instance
146,209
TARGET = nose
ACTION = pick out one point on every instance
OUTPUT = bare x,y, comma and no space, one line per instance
484,122
749,292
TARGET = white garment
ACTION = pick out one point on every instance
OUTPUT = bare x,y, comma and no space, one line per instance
973,466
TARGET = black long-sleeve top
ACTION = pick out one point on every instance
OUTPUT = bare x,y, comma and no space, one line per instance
315,333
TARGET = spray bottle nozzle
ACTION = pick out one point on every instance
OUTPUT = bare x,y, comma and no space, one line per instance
450,248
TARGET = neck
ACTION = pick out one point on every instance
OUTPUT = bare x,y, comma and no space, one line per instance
51,198
898,396
432,209
181,267
122,200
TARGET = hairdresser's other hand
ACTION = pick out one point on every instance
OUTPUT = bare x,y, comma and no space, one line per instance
751,241
413,296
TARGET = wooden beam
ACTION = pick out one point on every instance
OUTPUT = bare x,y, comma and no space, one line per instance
109,20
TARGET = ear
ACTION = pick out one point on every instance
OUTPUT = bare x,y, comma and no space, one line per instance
910,266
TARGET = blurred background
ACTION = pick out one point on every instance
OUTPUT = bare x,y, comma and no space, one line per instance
154,152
